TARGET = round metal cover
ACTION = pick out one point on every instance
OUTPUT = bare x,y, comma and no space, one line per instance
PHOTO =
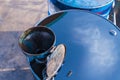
55,61
87,4
92,45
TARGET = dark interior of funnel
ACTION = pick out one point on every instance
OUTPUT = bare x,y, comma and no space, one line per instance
38,41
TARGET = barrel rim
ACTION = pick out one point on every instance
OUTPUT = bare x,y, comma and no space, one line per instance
95,7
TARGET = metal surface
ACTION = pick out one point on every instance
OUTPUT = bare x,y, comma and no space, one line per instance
55,61
92,53
115,13
102,8
86,4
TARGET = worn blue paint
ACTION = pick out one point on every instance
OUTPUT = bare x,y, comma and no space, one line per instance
101,7
87,4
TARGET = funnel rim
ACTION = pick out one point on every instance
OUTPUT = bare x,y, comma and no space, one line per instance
29,31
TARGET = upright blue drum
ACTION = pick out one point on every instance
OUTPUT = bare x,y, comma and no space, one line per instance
92,46
101,7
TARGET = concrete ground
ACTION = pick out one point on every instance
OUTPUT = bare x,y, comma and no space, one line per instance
15,17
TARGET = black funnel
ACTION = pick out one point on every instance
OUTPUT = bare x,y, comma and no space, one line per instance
36,40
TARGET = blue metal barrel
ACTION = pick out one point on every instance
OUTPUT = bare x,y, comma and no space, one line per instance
101,7
92,45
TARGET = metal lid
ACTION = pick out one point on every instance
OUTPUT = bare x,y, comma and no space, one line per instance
87,4
55,61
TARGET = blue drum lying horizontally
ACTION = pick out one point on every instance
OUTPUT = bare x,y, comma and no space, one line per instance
101,7
89,49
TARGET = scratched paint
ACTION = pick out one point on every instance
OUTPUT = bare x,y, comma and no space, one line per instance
86,3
